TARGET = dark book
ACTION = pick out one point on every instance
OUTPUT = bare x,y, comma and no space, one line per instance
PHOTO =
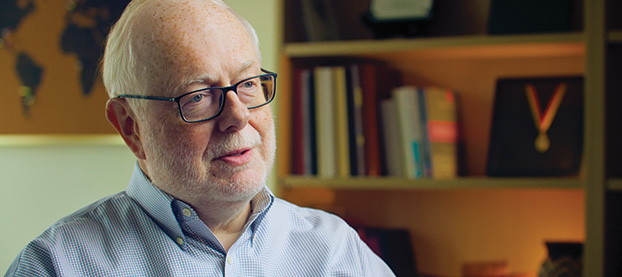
355,113
393,246
298,134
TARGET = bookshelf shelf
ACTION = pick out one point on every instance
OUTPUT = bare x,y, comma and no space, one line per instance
615,185
479,46
394,183
615,36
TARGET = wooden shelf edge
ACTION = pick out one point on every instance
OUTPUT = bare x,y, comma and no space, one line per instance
367,47
615,185
56,140
615,36
394,183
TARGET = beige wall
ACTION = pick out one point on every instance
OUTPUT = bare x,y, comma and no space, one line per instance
43,179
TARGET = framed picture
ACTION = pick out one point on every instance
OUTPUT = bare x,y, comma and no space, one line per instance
537,127
49,61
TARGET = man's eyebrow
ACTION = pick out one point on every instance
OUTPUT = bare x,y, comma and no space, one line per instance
205,78
208,78
245,66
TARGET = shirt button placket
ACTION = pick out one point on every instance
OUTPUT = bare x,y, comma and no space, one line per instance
229,268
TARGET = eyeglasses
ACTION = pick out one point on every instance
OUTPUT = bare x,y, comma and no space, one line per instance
205,104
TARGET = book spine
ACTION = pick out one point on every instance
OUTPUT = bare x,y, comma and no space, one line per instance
407,103
310,125
341,121
325,122
442,129
355,112
426,147
391,138
297,123
308,149
370,121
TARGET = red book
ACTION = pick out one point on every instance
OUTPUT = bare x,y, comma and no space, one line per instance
370,121
297,124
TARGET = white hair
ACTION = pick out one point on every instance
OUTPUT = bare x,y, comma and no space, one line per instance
121,65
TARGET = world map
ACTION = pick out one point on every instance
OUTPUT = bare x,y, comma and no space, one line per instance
86,25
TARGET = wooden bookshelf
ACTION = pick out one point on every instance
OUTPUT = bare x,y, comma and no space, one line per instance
396,183
615,36
477,218
471,46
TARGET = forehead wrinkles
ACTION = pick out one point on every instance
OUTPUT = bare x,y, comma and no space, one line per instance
171,35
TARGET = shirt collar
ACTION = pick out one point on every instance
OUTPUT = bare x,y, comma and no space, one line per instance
160,205
154,201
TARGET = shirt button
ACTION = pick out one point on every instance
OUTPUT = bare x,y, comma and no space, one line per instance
187,212
179,241
229,260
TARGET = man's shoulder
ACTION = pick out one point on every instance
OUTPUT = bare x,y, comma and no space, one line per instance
72,237
307,218
101,216
101,209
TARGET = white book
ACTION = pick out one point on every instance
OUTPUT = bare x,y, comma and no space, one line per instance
342,134
411,136
391,138
325,122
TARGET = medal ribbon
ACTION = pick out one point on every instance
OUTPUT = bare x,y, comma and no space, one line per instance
543,123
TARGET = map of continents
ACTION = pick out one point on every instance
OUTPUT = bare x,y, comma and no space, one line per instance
86,25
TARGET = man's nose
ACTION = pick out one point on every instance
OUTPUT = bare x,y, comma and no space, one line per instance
234,115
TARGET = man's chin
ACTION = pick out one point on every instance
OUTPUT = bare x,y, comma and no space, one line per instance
246,181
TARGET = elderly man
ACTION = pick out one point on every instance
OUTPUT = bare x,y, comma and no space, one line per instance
189,97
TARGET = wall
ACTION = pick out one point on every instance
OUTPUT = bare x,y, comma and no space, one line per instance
45,178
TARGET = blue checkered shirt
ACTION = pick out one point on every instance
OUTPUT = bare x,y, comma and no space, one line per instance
146,232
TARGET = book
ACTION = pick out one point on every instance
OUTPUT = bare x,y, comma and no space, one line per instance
342,138
297,123
410,133
370,120
310,139
355,115
440,132
325,122
394,246
391,138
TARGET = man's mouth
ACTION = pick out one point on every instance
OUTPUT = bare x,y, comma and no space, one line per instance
237,157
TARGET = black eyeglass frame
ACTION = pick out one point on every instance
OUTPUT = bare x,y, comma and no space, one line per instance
222,97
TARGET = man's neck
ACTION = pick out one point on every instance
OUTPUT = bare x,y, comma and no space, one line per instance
226,221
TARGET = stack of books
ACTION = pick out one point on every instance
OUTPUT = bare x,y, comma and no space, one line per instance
355,120
420,132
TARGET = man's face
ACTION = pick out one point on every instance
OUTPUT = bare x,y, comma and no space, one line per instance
226,158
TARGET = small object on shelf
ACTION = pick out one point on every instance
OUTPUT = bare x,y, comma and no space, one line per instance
529,16
537,127
395,18
564,260
319,19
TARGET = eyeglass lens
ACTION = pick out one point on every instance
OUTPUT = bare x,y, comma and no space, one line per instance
207,103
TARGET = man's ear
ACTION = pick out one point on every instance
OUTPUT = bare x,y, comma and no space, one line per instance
123,119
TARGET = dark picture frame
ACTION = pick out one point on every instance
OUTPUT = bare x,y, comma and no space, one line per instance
513,151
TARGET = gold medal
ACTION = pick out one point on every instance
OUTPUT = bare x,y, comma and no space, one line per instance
543,122
542,142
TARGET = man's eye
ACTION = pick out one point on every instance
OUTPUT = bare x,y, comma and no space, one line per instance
197,98
248,84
